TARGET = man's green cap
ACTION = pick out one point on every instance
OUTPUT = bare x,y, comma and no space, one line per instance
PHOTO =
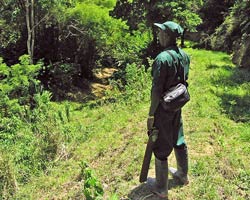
173,27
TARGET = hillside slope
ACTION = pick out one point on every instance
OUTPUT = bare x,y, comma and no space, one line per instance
112,138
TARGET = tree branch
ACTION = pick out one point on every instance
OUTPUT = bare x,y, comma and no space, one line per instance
21,4
38,23
3,2
77,29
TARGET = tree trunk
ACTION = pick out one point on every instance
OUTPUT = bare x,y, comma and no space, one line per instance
29,5
33,30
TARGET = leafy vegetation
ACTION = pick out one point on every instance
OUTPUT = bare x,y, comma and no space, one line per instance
93,148
235,33
30,130
92,189
71,45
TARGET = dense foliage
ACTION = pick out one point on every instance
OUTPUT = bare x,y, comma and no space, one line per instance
24,107
140,12
213,14
71,45
235,33
140,15
49,51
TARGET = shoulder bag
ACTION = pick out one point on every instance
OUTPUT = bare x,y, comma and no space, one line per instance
177,96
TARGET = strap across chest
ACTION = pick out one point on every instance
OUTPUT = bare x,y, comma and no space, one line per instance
180,69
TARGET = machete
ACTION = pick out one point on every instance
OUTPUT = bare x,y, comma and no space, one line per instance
152,136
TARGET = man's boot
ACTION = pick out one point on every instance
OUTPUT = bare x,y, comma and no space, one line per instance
159,185
180,173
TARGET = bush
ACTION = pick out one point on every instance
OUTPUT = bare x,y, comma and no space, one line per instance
109,36
130,85
92,188
29,127
138,83
17,86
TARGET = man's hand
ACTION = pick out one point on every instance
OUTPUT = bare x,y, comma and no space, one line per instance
150,123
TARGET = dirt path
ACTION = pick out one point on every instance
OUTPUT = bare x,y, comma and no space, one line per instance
101,81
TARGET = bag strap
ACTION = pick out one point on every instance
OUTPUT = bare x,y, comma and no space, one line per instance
180,69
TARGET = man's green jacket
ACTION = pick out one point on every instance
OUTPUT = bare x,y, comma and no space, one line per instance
165,75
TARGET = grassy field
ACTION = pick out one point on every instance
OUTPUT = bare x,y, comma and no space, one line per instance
111,139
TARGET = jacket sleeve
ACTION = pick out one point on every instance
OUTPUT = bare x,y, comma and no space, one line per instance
159,73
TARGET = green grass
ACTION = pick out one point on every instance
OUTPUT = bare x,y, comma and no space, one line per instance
111,138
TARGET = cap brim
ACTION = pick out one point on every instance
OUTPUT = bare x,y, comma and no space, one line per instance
161,26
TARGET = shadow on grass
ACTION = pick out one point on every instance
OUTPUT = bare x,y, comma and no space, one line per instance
212,66
143,191
237,107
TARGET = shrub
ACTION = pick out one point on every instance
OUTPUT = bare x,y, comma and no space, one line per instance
92,188
28,127
109,36
132,84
